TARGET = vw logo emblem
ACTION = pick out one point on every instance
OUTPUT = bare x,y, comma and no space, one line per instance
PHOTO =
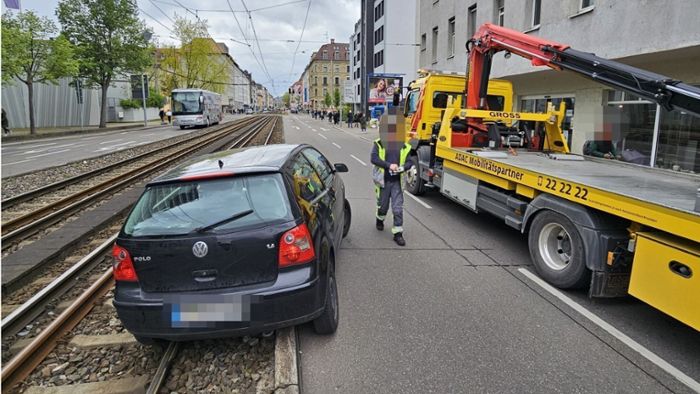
200,249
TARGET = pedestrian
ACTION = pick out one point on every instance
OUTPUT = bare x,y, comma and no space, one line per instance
362,121
5,124
389,154
161,114
350,119
336,118
170,115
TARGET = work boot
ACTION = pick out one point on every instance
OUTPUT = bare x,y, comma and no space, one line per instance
398,238
380,225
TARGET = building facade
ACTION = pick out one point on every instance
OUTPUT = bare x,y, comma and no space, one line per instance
641,132
328,69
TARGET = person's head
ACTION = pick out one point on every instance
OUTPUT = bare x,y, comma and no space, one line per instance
392,130
381,85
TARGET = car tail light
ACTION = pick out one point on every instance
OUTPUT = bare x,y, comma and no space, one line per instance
296,247
122,266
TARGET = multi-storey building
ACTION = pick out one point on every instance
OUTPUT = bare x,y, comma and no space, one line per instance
661,36
328,69
383,43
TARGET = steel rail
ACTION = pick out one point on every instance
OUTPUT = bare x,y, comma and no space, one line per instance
52,213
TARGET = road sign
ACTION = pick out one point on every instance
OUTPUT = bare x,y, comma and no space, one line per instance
136,92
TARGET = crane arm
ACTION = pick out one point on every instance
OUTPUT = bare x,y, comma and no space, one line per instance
490,39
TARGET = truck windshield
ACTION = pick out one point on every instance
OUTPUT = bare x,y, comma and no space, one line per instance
412,101
440,100
186,103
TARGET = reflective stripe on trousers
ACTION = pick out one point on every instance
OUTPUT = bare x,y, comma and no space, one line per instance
392,194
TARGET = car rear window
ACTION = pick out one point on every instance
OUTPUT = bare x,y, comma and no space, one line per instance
181,208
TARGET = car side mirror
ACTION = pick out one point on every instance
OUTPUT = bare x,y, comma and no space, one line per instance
340,167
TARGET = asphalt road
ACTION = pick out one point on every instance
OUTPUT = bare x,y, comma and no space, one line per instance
456,311
21,157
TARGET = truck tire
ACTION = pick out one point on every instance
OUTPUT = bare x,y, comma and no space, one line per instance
414,184
557,251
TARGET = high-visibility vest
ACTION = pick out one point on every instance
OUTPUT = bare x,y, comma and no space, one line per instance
381,152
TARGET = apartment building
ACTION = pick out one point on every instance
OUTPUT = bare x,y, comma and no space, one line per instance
328,69
661,36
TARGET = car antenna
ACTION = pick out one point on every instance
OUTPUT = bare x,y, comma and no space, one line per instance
221,164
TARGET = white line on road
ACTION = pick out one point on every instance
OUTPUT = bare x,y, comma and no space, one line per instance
313,129
297,127
418,200
16,162
336,145
114,146
36,146
324,129
634,345
46,154
108,142
322,136
361,162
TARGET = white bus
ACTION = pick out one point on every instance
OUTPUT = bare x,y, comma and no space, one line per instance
195,107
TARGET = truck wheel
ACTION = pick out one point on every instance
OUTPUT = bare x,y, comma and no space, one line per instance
557,251
414,184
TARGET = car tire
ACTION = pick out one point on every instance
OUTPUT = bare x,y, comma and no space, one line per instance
348,218
414,183
327,323
208,123
182,127
557,251
148,341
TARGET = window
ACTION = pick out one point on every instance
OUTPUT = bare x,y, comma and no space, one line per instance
347,68
500,14
585,4
536,10
325,54
315,91
325,81
471,21
451,37
325,68
320,164
379,35
305,181
325,92
181,208
379,58
412,102
435,44
378,11
423,42
336,68
337,80
336,55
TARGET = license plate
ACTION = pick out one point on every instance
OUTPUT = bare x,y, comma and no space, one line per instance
207,310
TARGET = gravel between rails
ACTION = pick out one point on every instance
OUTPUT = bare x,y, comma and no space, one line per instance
12,186
230,365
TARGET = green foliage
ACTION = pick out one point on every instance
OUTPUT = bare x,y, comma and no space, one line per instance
336,98
198,62
286,99
32,53
327,100
155,100
130,103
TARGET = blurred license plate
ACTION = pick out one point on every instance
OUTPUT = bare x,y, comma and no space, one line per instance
207,310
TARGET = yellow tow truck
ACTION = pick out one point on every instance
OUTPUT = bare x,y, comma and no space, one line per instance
614,227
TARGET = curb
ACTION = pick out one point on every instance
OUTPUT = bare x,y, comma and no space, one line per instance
286,365
30,137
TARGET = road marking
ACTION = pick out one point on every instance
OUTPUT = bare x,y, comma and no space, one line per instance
108,142
323,129
312,129
336,145
124,132
631,343
297,127
29,152
322,136
16,162
46,154
114,146
418,200
361,162
36,146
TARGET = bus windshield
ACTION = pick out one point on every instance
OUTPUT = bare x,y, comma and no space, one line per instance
186,103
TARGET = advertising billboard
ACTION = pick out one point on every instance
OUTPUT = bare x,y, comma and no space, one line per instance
382,88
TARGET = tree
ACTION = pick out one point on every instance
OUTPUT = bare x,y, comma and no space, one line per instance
198,63
31,54
327,100
109,38
286,99
336,97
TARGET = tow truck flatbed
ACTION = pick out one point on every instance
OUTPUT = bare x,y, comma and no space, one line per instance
661,199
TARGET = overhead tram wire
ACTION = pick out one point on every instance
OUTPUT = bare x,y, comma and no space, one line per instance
257,42
161,11
156,20
235,11
303,27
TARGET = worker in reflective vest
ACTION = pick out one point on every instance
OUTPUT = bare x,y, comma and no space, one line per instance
389,154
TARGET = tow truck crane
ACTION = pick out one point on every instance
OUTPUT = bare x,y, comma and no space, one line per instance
613,227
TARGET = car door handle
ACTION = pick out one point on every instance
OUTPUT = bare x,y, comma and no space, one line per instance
205,275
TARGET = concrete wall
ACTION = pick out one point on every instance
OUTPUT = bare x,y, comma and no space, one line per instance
399,33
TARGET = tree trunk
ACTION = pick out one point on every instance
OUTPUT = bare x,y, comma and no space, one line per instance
103,105
30,95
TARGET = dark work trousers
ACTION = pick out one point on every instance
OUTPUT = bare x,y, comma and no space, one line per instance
391,193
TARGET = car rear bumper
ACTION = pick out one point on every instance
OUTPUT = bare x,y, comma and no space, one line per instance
284,303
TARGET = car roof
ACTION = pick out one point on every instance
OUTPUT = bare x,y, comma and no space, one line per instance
256,159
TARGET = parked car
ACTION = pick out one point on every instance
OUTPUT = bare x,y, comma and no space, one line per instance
233,243
249,111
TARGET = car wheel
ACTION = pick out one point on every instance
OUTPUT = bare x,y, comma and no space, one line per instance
148,341
327,323
414,183
182,127
348,218
557,251
208,124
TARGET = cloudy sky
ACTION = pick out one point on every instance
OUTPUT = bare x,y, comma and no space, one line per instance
277,23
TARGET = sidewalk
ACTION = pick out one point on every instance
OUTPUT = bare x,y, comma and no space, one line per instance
23,134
